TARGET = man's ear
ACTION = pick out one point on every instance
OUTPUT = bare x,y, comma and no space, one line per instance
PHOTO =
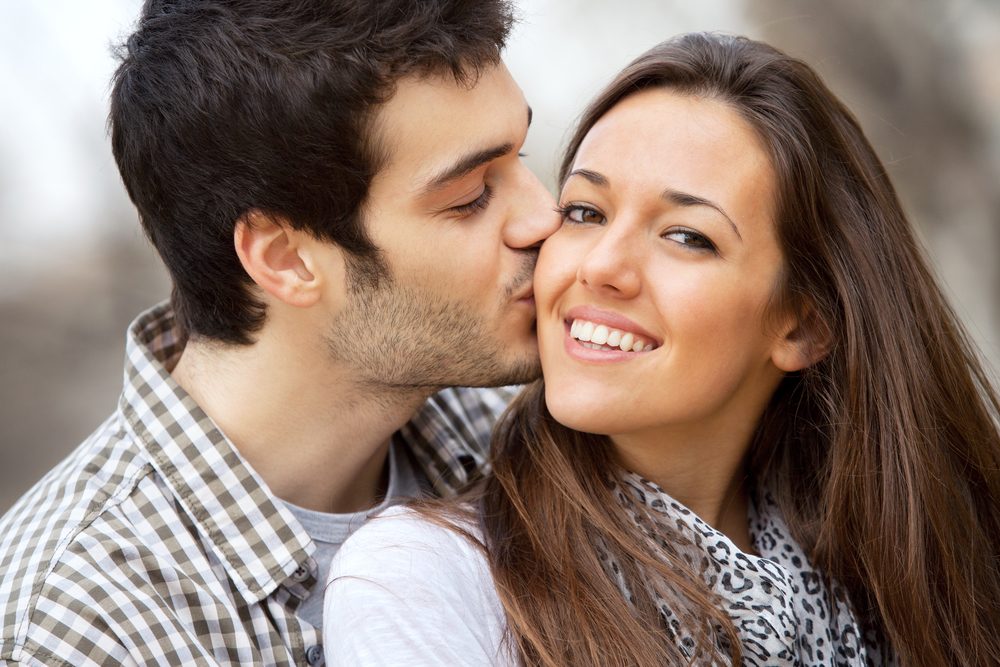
278,258
803,340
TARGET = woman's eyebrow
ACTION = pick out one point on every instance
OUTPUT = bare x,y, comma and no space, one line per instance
687,199
592,176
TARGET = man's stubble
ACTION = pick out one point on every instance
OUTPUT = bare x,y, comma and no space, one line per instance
402,338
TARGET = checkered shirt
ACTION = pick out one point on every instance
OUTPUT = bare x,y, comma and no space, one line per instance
155,543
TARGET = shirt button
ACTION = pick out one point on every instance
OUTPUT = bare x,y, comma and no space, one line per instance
314,656
301,574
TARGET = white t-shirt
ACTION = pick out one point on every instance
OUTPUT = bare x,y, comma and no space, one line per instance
405,591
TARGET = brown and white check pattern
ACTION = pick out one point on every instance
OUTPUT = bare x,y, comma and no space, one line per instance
155,543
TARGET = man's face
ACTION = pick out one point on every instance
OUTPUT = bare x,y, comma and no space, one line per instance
458,219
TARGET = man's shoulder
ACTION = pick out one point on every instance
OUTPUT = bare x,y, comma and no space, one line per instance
474,401
450,434
468,413
107,590
43,531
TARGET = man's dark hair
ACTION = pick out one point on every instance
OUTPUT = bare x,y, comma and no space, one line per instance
222,107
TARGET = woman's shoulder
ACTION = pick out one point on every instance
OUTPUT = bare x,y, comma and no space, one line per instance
410,588
406,549
404,529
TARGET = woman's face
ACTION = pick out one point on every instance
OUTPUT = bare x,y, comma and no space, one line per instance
652,296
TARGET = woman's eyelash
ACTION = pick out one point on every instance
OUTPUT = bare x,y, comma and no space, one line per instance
700,241
566,212
477,204
692,240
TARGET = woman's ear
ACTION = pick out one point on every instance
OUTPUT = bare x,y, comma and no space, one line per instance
277,258
803,340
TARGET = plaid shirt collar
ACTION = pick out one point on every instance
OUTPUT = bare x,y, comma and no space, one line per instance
251,530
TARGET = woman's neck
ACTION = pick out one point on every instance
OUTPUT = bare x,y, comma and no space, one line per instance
706,476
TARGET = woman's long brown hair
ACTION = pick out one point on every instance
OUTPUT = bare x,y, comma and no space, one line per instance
884,456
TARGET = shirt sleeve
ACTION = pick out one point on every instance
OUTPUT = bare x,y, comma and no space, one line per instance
405,591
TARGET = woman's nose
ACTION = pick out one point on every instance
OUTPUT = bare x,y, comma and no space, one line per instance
610,266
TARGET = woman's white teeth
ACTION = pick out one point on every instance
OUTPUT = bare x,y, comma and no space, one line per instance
601,337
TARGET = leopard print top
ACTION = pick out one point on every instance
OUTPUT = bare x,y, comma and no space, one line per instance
785,611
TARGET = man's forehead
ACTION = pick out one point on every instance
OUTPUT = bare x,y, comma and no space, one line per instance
437,126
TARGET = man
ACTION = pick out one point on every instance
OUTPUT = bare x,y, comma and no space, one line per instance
336,190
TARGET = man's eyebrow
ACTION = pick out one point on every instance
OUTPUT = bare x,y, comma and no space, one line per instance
466,165
673,196
469,163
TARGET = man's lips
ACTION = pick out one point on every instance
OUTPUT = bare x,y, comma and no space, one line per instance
526,294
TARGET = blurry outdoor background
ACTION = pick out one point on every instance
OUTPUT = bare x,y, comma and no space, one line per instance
922,75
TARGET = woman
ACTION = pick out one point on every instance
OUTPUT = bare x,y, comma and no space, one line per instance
762,437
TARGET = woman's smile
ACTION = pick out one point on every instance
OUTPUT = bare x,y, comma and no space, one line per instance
603,336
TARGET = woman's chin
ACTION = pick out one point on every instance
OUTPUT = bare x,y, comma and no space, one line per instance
585,414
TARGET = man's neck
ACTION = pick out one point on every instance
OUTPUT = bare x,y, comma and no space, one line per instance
316,438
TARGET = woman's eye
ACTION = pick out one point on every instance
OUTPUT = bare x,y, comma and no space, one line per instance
582,215
690,239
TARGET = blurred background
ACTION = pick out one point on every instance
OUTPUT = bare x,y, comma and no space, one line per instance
923,76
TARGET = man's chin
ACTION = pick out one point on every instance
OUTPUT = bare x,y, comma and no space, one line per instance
491,373
524,371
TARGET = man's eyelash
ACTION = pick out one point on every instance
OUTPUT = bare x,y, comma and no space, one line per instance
477,204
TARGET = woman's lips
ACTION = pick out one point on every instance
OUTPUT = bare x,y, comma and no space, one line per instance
599,342
611,321
598,336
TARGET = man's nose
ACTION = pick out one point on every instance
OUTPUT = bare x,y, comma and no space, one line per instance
533,217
